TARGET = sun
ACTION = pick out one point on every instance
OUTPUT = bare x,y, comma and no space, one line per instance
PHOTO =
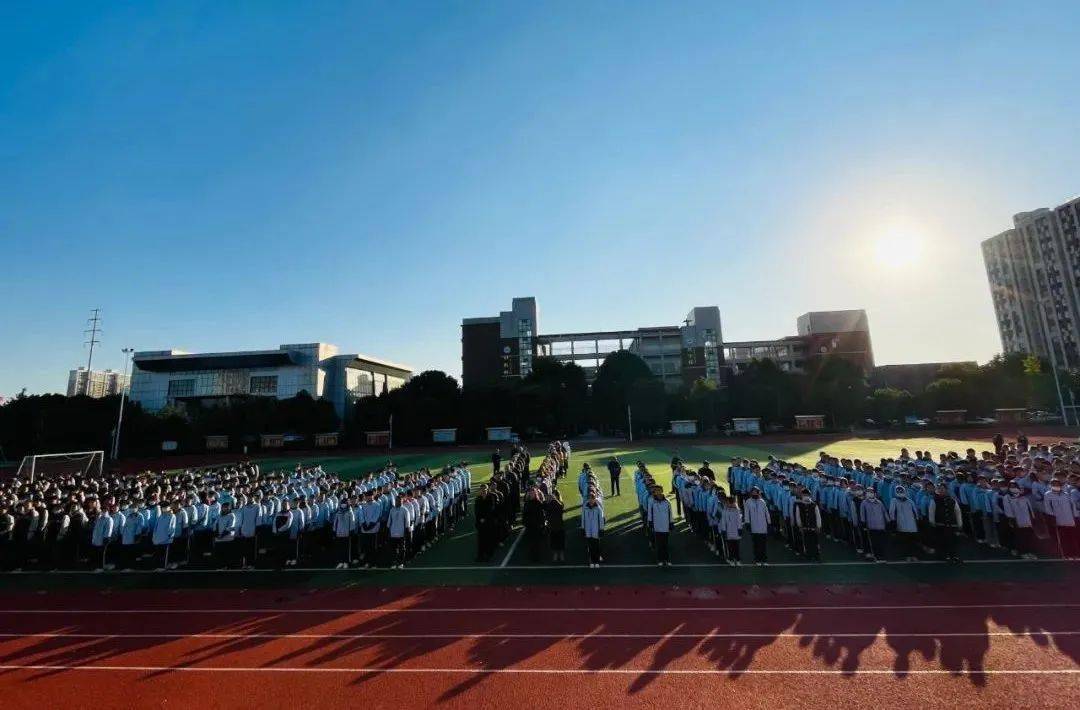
897,248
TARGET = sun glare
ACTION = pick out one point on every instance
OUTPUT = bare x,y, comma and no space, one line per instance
897,248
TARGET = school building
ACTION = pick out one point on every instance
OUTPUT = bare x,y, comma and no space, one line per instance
162,378
500,347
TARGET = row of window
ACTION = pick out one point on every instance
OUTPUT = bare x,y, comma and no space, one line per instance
257,384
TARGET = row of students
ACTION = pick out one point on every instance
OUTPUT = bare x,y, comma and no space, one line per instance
229,516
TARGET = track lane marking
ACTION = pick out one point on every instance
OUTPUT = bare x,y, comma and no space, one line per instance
569,636
566,610
541,671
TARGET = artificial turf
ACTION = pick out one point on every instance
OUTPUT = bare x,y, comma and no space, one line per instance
452,560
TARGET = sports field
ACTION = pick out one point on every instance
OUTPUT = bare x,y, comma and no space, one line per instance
992,632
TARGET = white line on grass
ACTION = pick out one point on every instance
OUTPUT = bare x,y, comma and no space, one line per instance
559,610
541,671
568,637
510,552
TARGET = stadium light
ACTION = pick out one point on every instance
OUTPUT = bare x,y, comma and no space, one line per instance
123,396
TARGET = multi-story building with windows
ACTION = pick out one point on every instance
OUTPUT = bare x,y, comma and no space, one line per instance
1034,275
170,377
95,383
504,346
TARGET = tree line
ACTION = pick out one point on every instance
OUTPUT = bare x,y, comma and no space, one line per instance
555,400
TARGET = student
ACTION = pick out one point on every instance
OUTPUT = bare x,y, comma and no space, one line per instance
100,538
615,472
370,521
250,514
398,521
281,528
731,522
534,518
1059,508
342,527
165,531
660,525
1022,516
592,522
807,516
225,536
874,517
902,511
756,513
553,512
945,520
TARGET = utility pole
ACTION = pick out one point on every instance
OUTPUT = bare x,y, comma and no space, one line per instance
92,333
123,396
629,423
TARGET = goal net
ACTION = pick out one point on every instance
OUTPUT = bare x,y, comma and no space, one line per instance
82,463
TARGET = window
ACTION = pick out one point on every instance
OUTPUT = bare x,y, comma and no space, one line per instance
263,384
181,388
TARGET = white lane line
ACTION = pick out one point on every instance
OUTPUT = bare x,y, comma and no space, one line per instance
545,671
510,568
509,553
569,637
567,609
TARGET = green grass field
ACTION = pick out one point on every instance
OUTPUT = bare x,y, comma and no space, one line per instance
630,560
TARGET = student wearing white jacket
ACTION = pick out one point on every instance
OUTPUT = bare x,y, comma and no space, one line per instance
731,522
756,513
1059,508
659,515
100,536
398,522
1021,515
592,523
902,511
342,525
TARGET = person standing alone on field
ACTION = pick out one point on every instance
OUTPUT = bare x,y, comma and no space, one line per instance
615,471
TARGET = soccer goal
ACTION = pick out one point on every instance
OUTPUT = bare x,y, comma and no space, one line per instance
66,464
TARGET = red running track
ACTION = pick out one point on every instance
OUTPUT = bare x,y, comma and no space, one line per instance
943,645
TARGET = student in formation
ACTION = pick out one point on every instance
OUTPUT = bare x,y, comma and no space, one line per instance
756,513
807,517
344,521
874,518
1059,508
660,521
398,522
279,529
225,536
945,519
1022,517
553,511
592,523
906,517
731,523
165,531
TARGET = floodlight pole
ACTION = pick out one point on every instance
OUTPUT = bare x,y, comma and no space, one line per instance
629,423
123,397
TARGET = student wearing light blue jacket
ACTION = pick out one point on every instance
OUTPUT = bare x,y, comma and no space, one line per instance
165,531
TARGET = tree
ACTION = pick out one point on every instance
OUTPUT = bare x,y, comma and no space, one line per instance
835,387
889,404
616,378
763,390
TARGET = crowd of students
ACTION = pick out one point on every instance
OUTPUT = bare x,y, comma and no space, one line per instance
1021,500
227,517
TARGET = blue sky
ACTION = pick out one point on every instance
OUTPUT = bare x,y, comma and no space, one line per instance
219,176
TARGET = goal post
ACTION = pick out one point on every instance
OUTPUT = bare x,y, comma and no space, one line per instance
66,463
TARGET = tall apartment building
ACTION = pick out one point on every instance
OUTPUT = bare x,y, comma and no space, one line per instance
95,383
1034,275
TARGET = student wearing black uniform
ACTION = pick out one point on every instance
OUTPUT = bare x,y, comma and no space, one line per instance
615,472
534,518
553,511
